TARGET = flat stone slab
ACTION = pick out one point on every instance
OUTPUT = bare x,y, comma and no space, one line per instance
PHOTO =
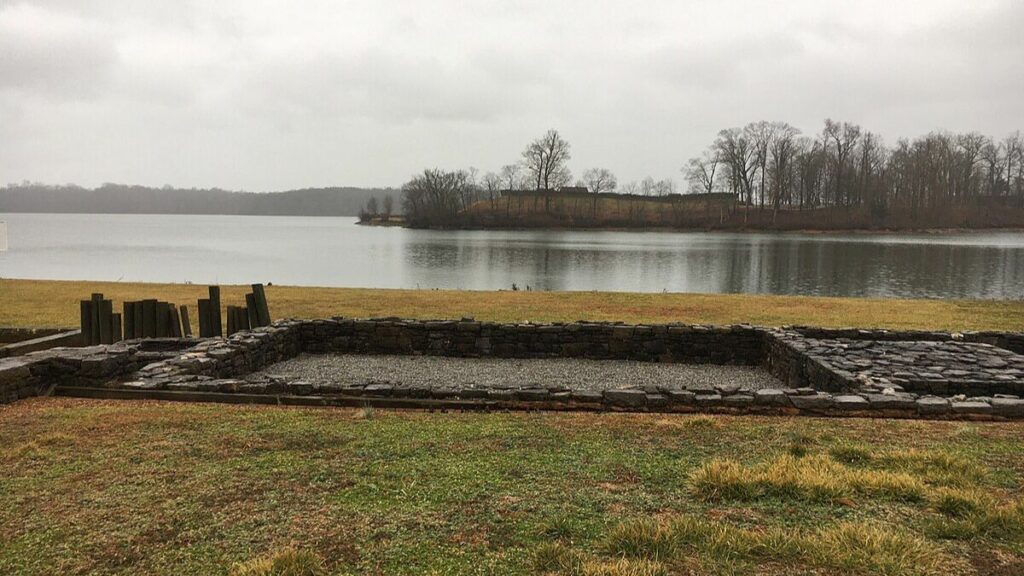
568,373
936,367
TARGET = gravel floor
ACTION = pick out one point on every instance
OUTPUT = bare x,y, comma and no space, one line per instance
436,371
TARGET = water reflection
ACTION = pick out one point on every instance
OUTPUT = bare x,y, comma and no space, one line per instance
969,265
334,252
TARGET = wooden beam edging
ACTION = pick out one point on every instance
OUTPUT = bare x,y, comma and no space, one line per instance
478,405
277,399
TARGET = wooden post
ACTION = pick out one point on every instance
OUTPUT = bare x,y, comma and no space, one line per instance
205,319
243,318
106,322
86,309
162,313
137,331
231,320
115,325
95,308
262,310
149,318
175,322
217,326
128,316
250,310
186,324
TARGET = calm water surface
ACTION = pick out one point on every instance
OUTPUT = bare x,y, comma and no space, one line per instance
336,252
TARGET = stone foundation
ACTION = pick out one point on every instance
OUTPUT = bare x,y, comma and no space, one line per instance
828,372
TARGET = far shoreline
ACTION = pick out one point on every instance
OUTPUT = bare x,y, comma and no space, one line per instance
938,231
665,229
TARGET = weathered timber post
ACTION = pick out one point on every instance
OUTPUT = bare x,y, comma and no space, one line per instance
262,310
95,308
175,321
162,328
205,319
149,318
137,323
86,311
186,324
251,314
106,319
242,323
231,320
216,326
128,317
115,325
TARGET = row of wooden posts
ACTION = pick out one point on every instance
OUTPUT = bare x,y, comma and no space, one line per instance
156,319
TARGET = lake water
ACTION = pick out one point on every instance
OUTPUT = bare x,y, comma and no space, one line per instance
336,252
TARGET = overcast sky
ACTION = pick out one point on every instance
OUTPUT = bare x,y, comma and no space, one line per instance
265,95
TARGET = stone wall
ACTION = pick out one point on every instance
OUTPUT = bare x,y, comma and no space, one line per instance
787,359
737,345
10,335
35,373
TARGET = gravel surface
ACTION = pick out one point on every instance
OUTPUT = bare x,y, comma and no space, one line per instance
437,371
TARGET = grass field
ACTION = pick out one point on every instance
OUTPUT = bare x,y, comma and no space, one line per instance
103,487
43,303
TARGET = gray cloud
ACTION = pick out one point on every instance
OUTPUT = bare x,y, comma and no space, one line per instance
368,92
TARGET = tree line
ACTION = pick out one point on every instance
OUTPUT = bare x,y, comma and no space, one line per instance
773,165
127,199
841,172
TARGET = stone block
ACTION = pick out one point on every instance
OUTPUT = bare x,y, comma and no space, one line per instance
931,405
738,401
817,401
533,394
300,388
657,400
852,402
892,401
501,395
771,397
1008,407
681,397
626,398
379,389
971,407
708,400
587,396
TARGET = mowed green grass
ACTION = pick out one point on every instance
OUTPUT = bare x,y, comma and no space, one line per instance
45,303
106,487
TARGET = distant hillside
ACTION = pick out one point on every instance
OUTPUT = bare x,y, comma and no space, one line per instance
123,199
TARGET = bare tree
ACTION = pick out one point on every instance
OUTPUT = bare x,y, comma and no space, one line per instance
781,150
436,197
546,160
491,185
648,186
510,176
599,180
388,206
840,138
739,158
700,172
